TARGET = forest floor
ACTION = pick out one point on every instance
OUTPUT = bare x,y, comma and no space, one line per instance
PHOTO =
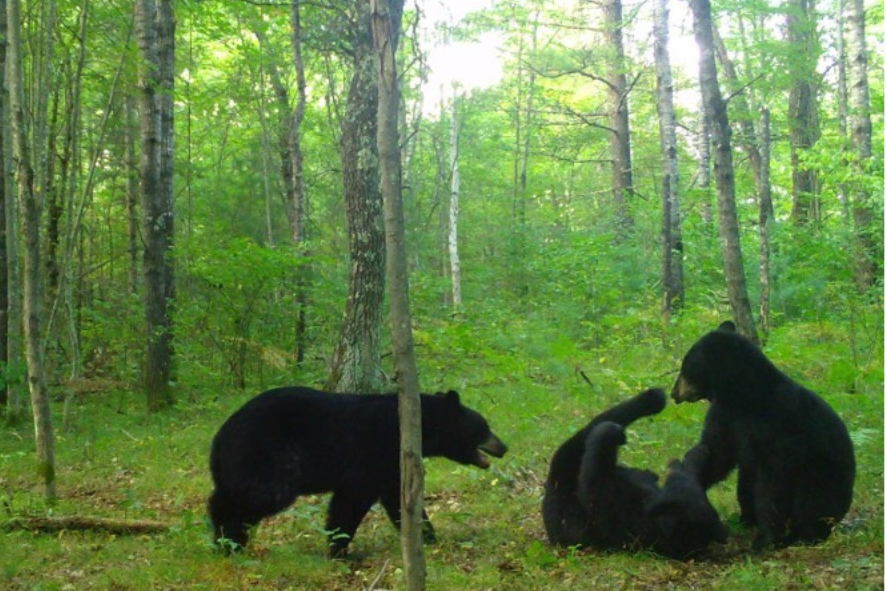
116,461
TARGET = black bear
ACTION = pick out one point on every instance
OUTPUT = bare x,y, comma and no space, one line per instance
796,465
591,500
295,441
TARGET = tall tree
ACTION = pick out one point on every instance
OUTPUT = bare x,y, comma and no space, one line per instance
803,121
860,135
298,199
619,120
767,220
155,27
455,182
386,21
31,212
356,363
724,171
672,239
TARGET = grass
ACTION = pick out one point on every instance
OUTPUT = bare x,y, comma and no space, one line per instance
117,461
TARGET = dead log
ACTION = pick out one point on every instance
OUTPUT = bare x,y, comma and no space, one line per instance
120,527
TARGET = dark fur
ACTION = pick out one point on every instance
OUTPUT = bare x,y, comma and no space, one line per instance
295,441
591,500
796,465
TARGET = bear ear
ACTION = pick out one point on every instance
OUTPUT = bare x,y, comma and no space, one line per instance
728,326
452,397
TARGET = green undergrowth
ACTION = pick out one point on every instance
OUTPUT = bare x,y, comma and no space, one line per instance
535,387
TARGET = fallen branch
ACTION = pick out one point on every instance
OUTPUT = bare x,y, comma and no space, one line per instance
77,523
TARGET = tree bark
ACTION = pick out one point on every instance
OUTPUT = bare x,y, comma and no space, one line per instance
455,180
619,121
15,406
767,221
31,212
803,109
386,19
724,171
356,362
672,239
155,27
299,196
860,135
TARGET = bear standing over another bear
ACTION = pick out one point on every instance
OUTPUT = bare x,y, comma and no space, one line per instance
796,465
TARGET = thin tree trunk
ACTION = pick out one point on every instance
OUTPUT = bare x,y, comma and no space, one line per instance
455,179
130,134
672,254
703,140
619,121
156,29
767,221
742,110
860,134
15,406
299,197
45,438
356,362
843,101
386,19
5,196
724,171
803,108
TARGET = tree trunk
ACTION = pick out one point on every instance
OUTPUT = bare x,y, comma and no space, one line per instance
703,140
356,362
803,108
724,171
743,112
619,122
299,197
767,221
130,134
672,252
30,200
860,134
15,406
155,31
386,19
5,196
454,263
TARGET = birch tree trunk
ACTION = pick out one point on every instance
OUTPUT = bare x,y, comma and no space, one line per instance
860,134
356,362
386,20
155,34
454,263
672,239
31,212
619,120
724,171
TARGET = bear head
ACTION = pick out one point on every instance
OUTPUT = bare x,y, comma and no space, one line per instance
721,362
684,517
462,434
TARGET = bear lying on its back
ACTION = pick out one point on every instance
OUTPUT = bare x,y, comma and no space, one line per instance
796,465
295,441
591,500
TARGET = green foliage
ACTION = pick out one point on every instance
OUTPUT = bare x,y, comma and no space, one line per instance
118,461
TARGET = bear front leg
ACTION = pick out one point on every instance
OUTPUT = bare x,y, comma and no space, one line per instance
346,510
390,500
746,486
771,505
